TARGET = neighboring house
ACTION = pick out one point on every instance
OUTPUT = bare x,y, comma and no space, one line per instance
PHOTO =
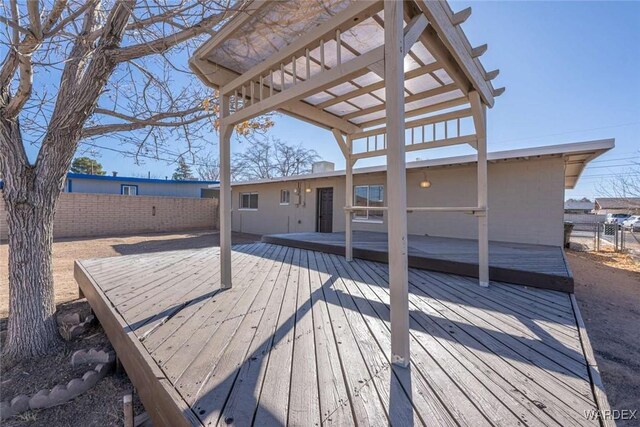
625,205
578,207
526,196
129,186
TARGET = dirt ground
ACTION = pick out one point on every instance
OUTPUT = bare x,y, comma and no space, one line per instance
66,251
101,405
607,289
609,300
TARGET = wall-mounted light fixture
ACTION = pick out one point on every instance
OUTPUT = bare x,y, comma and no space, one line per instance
307,190
425,183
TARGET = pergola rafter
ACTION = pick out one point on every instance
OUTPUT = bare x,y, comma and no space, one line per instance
361,69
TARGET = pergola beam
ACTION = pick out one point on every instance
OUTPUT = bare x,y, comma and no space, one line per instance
440,17
315,84
411,98
358,11
299,109
429,68
466,139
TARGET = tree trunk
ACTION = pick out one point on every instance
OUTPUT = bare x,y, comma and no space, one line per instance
32,329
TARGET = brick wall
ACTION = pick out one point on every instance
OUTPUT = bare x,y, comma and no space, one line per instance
86,215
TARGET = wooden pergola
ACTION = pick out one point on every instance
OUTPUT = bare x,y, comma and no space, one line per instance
386,77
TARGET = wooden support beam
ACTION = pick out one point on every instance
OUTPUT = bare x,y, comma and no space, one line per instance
225,196
358,11
451,115
420,111
317,83
379,85
467,139
341,142
480,122
460,17
499,91
411,98
457,45
412,32
479,50
298,109
490,75
396,179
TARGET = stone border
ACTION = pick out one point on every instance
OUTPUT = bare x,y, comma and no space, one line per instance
59,394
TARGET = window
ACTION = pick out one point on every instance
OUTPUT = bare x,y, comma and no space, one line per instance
248,200
129,190
369,196
284,197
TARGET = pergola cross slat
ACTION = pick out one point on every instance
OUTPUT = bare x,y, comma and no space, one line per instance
361,69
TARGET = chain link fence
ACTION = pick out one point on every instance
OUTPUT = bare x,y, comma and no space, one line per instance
599,236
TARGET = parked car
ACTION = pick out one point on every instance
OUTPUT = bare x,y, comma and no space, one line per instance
636,226
616,218
629,222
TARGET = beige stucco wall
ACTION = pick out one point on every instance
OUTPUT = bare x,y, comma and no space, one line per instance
525,202
85,215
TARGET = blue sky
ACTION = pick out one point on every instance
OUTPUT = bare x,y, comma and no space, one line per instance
572,73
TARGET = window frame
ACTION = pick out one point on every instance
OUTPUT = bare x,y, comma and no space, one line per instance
249,208
128,186
371,216
288,193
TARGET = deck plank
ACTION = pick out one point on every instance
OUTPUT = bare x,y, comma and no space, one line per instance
303,338
223,372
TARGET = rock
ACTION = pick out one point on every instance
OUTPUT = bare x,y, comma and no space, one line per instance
6,411
76,386
92,356
39,400
69,319
20,403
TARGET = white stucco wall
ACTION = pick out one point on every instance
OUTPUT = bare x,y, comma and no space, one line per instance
525,202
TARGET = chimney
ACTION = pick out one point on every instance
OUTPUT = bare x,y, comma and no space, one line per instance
114,173
322,166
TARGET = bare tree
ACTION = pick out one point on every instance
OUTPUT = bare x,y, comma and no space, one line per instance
624,184
76,71
292,159
209,168
271,158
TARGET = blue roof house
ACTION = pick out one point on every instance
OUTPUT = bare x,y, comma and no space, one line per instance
130,186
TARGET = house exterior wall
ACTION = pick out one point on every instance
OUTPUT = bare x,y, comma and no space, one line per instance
94,186
525,202
86,215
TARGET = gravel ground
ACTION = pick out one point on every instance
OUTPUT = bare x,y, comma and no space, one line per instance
607,287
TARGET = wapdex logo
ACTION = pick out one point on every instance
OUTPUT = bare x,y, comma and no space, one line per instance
612,414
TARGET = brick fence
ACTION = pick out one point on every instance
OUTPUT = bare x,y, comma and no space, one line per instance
87,215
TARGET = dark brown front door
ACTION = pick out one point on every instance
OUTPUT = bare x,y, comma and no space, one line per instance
325,210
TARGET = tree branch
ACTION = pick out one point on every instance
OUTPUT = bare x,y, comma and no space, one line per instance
163,44
125,127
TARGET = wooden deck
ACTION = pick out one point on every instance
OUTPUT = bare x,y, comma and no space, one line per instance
539,266
303,339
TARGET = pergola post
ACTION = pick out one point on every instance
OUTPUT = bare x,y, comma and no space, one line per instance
396,181
225,196
480,122
348,225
